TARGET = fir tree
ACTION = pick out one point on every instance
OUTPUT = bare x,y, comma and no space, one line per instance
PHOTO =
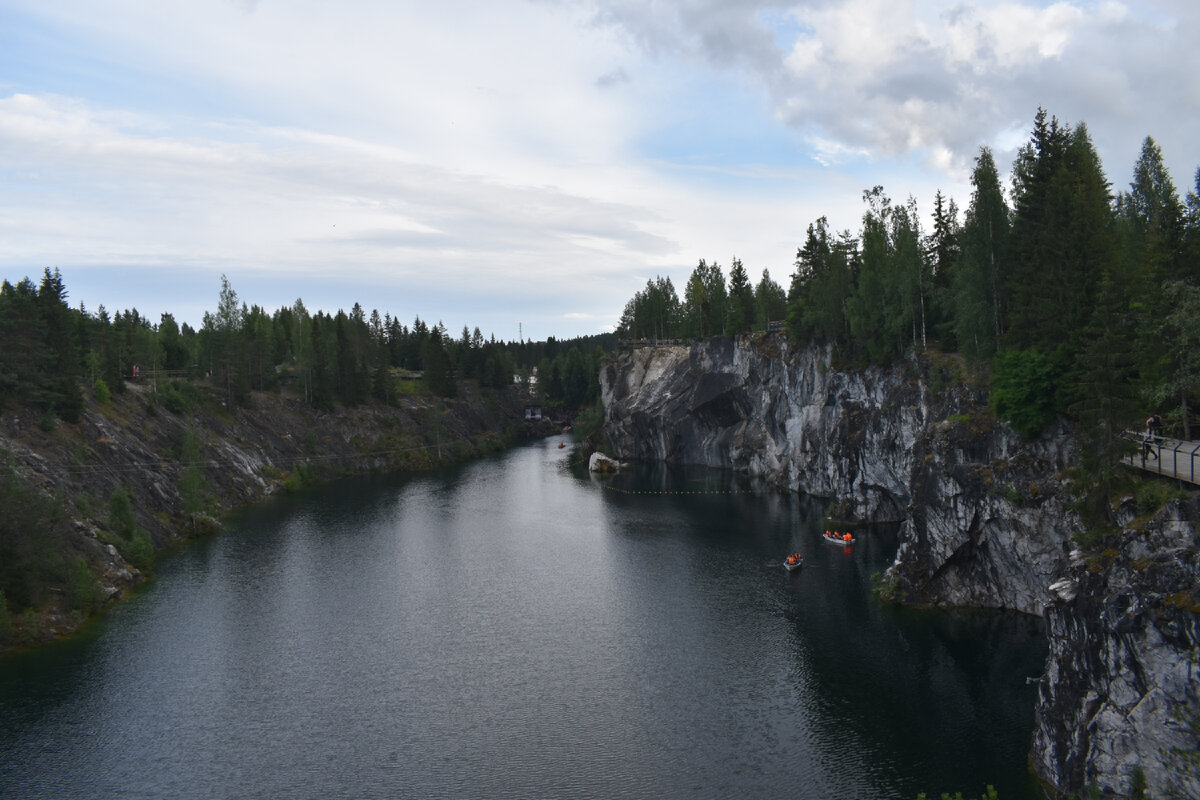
741,299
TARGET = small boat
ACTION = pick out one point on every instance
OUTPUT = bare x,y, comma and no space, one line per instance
793,561
833,537
562,445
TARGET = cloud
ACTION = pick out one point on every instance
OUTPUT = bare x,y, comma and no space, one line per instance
614,78
895,78
555,151
298,195
104,190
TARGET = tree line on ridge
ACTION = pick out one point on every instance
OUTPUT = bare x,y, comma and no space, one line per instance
50,353
1068,298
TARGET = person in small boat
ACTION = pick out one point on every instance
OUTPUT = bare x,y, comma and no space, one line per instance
846,537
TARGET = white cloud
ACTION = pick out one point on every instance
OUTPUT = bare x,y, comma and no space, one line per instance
579,145
1011,35
883,78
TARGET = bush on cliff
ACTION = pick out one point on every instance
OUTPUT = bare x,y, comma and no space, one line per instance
83,589
32,532
6,626
1023,390
132,540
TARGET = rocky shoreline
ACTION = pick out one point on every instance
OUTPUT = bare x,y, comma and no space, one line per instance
183,469
986,521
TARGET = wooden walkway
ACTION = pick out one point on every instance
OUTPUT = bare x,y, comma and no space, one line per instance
1171,458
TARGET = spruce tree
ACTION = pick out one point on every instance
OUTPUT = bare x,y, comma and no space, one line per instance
943,247
876,318
770,301
1104,393
911,271
975,282
741,299
1155,217
1030,282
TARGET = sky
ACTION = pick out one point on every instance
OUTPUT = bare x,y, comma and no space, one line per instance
526,166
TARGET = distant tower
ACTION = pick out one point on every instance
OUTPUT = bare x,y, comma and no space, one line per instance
520,332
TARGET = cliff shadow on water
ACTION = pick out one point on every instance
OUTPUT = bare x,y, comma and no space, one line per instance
947,692
986,520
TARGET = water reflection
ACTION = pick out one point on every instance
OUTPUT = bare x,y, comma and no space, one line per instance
512,629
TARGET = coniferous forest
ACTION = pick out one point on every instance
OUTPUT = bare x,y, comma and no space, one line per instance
54,358
1068,298
53,352
1065,298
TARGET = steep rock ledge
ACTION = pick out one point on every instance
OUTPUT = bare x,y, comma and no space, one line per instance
1122,681
984,523
237,457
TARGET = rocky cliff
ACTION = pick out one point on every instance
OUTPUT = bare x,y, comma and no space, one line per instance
986,521
184,459
1122,681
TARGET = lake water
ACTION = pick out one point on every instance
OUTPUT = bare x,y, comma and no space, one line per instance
515,628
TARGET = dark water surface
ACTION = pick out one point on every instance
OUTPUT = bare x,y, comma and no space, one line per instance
510,629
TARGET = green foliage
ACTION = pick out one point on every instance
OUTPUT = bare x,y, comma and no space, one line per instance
652,313
1178,347
295,480
989,794
121,519
222,342
1137,783
179,396
1105,400
705,310
1010,493
741,299
83,589
883,588
32,536
139,551
873,308
191,477
974,283
825,274
770,302
6,623
1023,390
439,371
1154,493
101,392
133,541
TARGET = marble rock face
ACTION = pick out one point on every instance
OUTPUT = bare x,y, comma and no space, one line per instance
985,519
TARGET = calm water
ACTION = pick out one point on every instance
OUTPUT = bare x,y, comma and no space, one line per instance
512,630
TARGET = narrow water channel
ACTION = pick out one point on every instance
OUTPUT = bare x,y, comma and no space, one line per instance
515,628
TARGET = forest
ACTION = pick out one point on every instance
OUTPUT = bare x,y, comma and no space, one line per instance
55,358
52,353
1067,299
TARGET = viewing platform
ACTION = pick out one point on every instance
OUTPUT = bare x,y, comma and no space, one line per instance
1171,458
